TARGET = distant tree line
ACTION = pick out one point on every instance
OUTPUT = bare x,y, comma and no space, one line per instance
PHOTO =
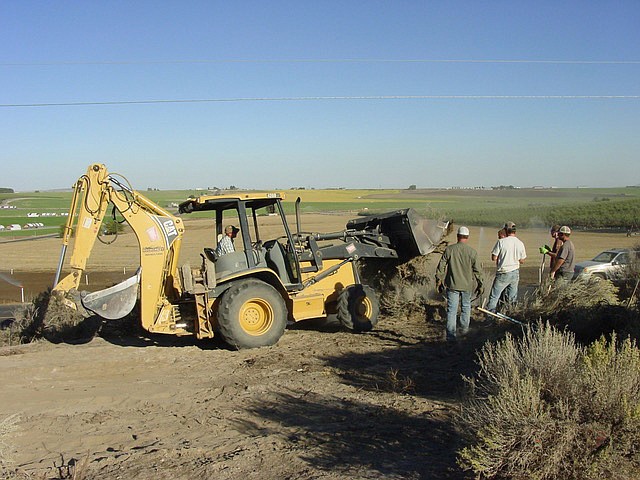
599,214
6,190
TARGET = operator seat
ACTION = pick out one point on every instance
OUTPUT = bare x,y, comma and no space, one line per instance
277,260
233,262
211,254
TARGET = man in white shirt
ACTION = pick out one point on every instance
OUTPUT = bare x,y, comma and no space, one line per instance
508,253
225,245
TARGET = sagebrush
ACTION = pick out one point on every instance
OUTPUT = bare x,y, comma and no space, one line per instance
544,407
588,306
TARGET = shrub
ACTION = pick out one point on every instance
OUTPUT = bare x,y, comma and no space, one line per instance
610,400
562,298
111,226
542,407
588,306
47,317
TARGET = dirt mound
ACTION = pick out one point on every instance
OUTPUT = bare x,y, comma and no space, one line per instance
404,288
48,318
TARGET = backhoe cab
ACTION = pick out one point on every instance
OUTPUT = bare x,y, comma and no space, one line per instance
274,276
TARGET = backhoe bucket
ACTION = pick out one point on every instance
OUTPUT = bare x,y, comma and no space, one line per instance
114,302
409,233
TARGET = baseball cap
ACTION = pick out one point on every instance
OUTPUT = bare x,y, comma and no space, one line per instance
463,231
565,229
231,229
510,226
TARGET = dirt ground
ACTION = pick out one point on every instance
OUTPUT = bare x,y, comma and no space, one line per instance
321,403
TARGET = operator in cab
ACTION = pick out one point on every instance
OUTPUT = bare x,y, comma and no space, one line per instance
225,245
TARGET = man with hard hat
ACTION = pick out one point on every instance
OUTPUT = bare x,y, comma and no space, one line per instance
456,272
565,259
225,245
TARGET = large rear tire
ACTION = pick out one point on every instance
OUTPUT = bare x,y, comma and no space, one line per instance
358,308
251,314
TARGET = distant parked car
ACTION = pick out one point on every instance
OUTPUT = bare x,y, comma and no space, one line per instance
613,264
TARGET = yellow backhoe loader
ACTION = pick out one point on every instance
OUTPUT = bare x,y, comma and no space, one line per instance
247,295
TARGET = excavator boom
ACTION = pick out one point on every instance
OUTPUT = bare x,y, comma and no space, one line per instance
159,236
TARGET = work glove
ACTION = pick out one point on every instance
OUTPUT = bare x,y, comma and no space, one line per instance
479,291
439,286
544,249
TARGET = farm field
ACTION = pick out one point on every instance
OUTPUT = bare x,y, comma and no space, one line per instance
32,263
527,207
321,403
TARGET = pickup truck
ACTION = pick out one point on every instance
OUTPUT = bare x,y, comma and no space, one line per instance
612,264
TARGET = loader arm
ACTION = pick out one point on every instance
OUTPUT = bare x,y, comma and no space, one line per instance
159,236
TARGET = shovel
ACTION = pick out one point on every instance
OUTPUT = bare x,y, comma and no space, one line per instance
501,316
541,271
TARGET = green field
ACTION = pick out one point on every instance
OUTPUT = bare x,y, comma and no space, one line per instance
612,208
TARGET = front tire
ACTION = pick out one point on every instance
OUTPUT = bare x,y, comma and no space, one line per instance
251,314
358,308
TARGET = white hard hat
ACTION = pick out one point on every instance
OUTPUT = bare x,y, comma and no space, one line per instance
463,231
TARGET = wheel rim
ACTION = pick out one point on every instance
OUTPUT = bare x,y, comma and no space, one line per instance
256,316
363,309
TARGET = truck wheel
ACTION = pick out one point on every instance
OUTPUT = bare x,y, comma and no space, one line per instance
358,308
251,314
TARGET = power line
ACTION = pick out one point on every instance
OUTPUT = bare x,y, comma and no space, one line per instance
319,60
326,98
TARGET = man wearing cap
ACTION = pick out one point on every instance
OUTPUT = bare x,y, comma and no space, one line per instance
557,243
457,270
508,253
565,259
225,245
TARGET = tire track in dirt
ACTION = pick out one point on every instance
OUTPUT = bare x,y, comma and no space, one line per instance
319,404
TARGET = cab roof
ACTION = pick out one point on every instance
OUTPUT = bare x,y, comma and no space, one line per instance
223,202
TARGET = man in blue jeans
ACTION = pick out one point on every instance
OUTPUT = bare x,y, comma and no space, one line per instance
456,272
508,253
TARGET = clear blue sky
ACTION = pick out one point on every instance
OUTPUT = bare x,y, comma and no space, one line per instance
67,52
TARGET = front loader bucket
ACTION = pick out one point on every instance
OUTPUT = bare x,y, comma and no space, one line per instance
409,233
114,302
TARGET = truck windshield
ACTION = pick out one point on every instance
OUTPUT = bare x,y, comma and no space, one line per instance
605,257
